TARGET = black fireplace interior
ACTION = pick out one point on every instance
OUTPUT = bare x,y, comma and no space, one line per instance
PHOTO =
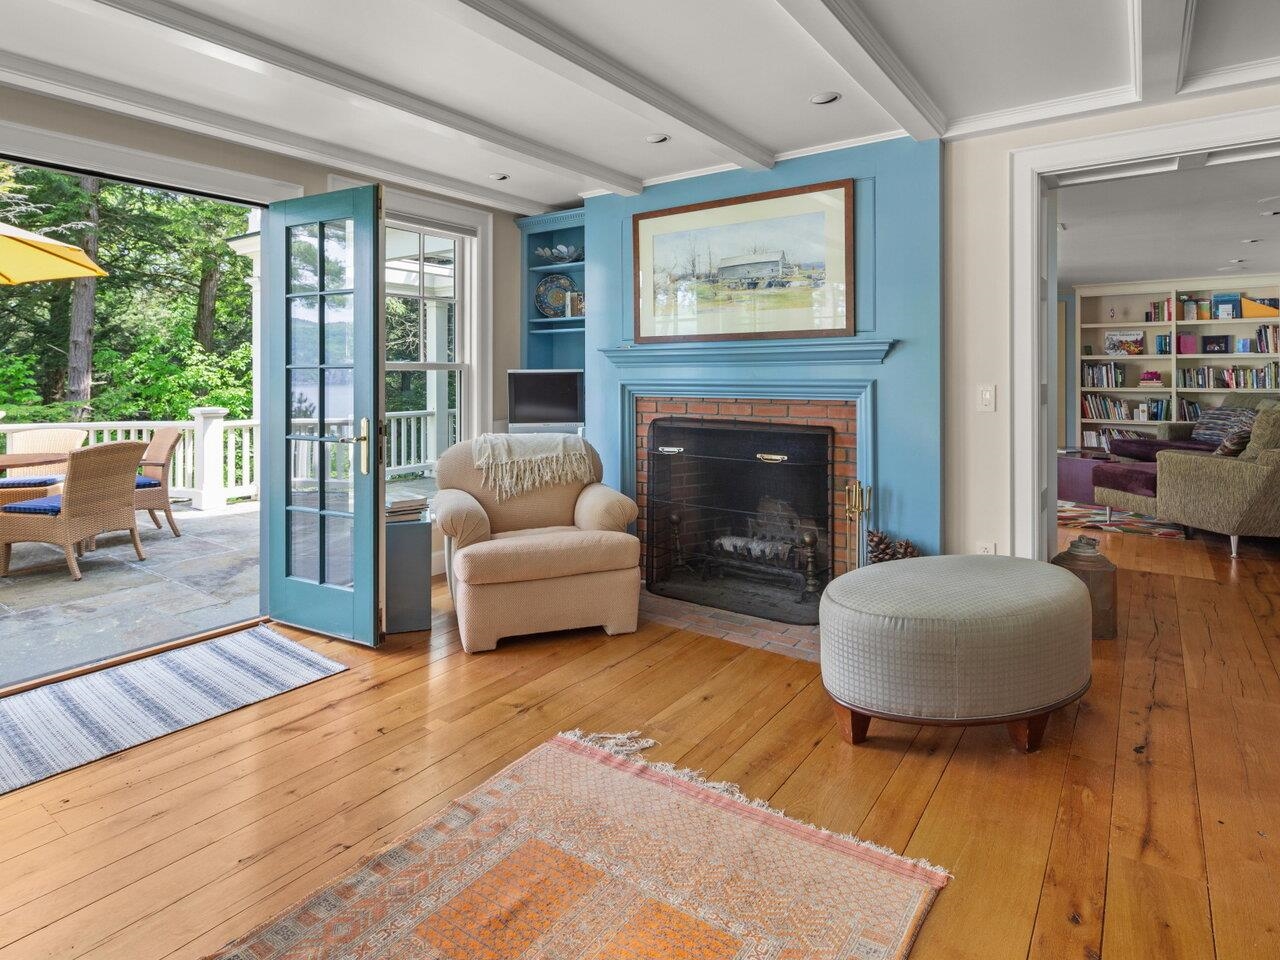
739,515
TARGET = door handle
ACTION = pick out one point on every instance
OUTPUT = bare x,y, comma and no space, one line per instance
363,440
772,457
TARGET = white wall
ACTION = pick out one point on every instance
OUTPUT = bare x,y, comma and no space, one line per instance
976,345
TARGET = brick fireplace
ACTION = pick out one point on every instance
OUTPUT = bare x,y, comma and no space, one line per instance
769,417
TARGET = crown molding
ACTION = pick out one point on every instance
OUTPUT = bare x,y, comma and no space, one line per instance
1235,75
482,134
66,84
1160,38
848,36
521,31
1042,112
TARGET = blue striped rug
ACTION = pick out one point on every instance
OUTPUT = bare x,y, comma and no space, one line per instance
67,724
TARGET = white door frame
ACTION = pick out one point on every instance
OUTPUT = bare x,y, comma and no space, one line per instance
1229,138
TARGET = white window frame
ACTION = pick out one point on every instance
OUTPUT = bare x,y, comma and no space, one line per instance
474,292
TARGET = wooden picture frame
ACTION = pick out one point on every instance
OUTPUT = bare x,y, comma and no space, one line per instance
700,290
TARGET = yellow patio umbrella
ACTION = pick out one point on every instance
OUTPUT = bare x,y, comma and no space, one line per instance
27,257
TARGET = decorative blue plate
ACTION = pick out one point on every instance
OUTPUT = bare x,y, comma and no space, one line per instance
549,295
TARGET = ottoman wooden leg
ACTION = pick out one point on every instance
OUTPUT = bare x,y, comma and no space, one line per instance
853,725
1027,734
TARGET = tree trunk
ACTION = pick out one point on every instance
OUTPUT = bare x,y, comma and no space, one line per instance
209,278
83,290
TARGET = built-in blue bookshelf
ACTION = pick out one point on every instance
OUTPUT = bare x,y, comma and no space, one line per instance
551,343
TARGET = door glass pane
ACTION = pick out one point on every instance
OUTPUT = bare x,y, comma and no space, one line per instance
438,325
404,266
339,489
304,330
437,266
422,421
339,401
403,332
304,394
339,255
339,338
304,545
304,258
337,551
304,473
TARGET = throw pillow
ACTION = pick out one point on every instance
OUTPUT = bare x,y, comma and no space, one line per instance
1233,443
1214,425
1265,436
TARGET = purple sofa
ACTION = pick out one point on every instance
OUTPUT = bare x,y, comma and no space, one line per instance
1138,479
1144,449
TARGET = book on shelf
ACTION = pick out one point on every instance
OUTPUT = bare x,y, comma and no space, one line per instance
1095,374
1265,377
1101,439
1268,339
1160,311
1100,407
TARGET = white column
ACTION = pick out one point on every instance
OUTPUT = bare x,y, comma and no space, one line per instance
210,491
250,245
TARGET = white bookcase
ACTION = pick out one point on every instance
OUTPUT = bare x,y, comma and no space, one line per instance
1119,307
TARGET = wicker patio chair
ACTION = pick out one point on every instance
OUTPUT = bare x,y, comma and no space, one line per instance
97,497
48,440
152,492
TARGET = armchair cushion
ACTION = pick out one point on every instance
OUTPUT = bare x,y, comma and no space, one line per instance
46,506
546,556
11,483
1265,435
460,516
1214,425
600,508
145,483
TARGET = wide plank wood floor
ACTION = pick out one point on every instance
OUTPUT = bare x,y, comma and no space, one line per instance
1147,827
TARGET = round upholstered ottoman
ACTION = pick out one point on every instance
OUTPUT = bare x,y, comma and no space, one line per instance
955,640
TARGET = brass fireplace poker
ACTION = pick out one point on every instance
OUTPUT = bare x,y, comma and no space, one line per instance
857,504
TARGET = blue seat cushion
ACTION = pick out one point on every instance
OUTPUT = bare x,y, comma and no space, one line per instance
145,483
17,483
49,506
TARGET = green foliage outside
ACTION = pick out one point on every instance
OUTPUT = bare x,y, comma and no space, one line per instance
161,250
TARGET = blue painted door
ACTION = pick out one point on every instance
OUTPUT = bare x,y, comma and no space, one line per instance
321,491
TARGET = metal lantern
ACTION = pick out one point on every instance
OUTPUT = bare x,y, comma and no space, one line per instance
1099,574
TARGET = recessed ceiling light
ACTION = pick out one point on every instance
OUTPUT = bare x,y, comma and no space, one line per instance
657,138
1271,213
1236,260
822,99
499,176
1252,240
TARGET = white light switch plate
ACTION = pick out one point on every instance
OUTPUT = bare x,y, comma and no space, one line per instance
986,398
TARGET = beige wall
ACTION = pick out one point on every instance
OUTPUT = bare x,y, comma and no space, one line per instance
47,113
976,345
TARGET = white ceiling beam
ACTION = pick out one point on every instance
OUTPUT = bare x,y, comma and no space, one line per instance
852,41
55,80
1161,40
445,120
518,29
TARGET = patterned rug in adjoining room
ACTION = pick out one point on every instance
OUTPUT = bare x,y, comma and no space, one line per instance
1084,515
581,851
67,724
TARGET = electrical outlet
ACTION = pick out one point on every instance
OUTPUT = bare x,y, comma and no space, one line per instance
987,548
986,398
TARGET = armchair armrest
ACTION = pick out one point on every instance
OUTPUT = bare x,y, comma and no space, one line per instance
1211,492
1175,431
599,508
459,516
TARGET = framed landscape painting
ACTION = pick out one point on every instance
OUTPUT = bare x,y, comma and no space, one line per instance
776,264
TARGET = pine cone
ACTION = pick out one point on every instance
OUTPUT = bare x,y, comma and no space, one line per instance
879,547
905,548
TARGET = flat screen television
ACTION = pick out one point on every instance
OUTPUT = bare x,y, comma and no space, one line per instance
545,401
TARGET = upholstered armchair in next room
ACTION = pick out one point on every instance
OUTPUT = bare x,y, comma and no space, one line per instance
554,558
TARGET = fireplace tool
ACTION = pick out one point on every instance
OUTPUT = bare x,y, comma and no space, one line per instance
857,504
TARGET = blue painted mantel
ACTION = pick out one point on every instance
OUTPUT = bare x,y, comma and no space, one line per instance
892,367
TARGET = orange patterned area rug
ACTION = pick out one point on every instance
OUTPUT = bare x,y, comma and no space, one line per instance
582,851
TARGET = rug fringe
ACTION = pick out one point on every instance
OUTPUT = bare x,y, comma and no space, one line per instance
629,745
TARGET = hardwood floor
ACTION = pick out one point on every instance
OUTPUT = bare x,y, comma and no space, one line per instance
1147,826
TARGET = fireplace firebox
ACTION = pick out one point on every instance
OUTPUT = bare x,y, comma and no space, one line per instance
739,515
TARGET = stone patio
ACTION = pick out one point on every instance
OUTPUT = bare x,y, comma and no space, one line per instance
204,579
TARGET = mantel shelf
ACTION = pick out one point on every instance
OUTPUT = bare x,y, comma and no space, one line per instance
750,352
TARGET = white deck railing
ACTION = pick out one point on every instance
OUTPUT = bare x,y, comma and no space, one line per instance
218,459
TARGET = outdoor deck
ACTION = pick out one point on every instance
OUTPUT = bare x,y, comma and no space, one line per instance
206,578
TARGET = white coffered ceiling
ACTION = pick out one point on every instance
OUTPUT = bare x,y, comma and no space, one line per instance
442,94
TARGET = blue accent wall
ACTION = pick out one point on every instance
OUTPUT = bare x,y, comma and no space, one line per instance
893,367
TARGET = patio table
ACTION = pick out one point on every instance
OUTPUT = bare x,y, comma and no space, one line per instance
10,460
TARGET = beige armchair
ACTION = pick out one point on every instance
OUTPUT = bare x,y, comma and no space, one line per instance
555,558
44,440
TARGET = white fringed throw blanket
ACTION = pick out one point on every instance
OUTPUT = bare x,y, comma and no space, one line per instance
513,464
